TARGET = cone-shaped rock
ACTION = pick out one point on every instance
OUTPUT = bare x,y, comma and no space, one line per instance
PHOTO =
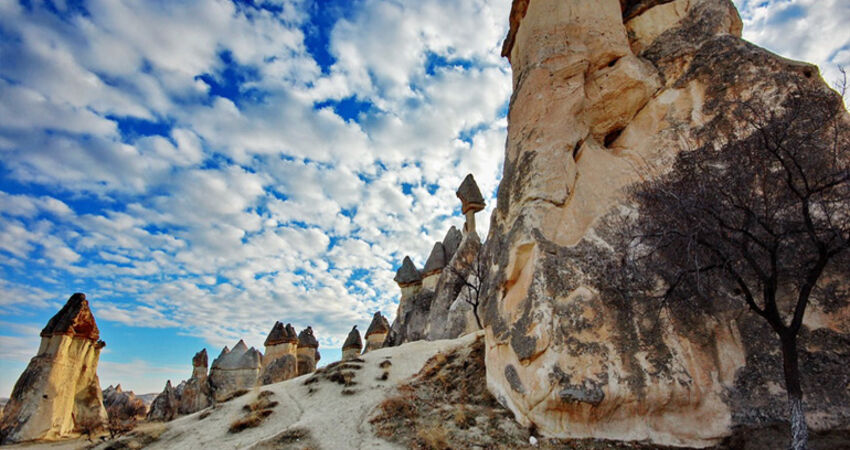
379,325
436,260
307,339
353,344
276,336
59,390
407,274
200,359
469,195
451,242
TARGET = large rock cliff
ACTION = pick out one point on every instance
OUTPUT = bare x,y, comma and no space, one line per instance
607,93
59,392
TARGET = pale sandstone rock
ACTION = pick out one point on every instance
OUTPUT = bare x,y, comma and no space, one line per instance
376,334
599,104
235,370
353,345
280,359
59,389
308,351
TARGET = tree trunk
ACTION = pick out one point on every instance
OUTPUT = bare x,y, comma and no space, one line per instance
799,430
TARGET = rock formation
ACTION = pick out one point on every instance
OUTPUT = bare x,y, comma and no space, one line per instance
195,393
123,406
165,406
308,351
377,332
353,345
234,370
606,93
59,391
439,302
280,360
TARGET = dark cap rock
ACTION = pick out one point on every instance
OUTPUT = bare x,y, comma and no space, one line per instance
306,338
74,319
281,334
469,195
379,325
436,260
200,359
407,273
451,242
353,340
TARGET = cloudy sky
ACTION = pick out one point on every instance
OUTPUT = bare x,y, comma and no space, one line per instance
203,168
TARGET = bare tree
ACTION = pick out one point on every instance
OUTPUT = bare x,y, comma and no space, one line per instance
471,275
762,217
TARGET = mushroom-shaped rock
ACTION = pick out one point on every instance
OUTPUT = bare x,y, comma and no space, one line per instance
471,201
407,274
451,242
59,391
291,335
308,353
353,344
469,195
377,332
436,260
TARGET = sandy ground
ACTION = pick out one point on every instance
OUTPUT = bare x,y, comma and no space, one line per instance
314,415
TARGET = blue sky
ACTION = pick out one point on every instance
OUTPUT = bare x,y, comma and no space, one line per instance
203,168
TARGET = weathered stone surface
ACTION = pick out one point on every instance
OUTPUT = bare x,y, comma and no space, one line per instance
59,390
469,195
281,369
123,406
165,405
353,344
234,370
376,334
448,316
407,274
436,260
606,93
308,351
452,241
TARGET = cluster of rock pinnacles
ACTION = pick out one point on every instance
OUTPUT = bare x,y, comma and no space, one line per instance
59,393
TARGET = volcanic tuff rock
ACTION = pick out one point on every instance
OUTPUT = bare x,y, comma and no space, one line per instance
606,93
234,370
123,405
377,332
59,390
352,345
280,360
308,351
165,405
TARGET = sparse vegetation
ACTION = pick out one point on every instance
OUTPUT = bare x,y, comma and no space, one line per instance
235,394
256,412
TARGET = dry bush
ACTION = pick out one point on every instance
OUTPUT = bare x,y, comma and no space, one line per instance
294,438
251,420
385,364
434,437
383,376
257,411
233,395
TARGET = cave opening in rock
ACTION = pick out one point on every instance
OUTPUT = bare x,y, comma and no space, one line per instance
612,136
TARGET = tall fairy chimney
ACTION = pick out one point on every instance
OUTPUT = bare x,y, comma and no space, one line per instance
471,201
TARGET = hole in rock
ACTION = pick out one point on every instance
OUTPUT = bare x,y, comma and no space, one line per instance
807,73
577,150
613,62
612,136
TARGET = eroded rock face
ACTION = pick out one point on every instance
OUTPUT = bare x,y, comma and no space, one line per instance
165,406
188,397
234,370
353,345
280,359
376,334
606,93
59,390
123,405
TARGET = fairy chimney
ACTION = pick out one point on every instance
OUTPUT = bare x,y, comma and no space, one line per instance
408,278
353,345
377,332
471,201
308,351
434,266
282,340
59,391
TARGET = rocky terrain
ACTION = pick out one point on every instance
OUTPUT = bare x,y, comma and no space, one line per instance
607,93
